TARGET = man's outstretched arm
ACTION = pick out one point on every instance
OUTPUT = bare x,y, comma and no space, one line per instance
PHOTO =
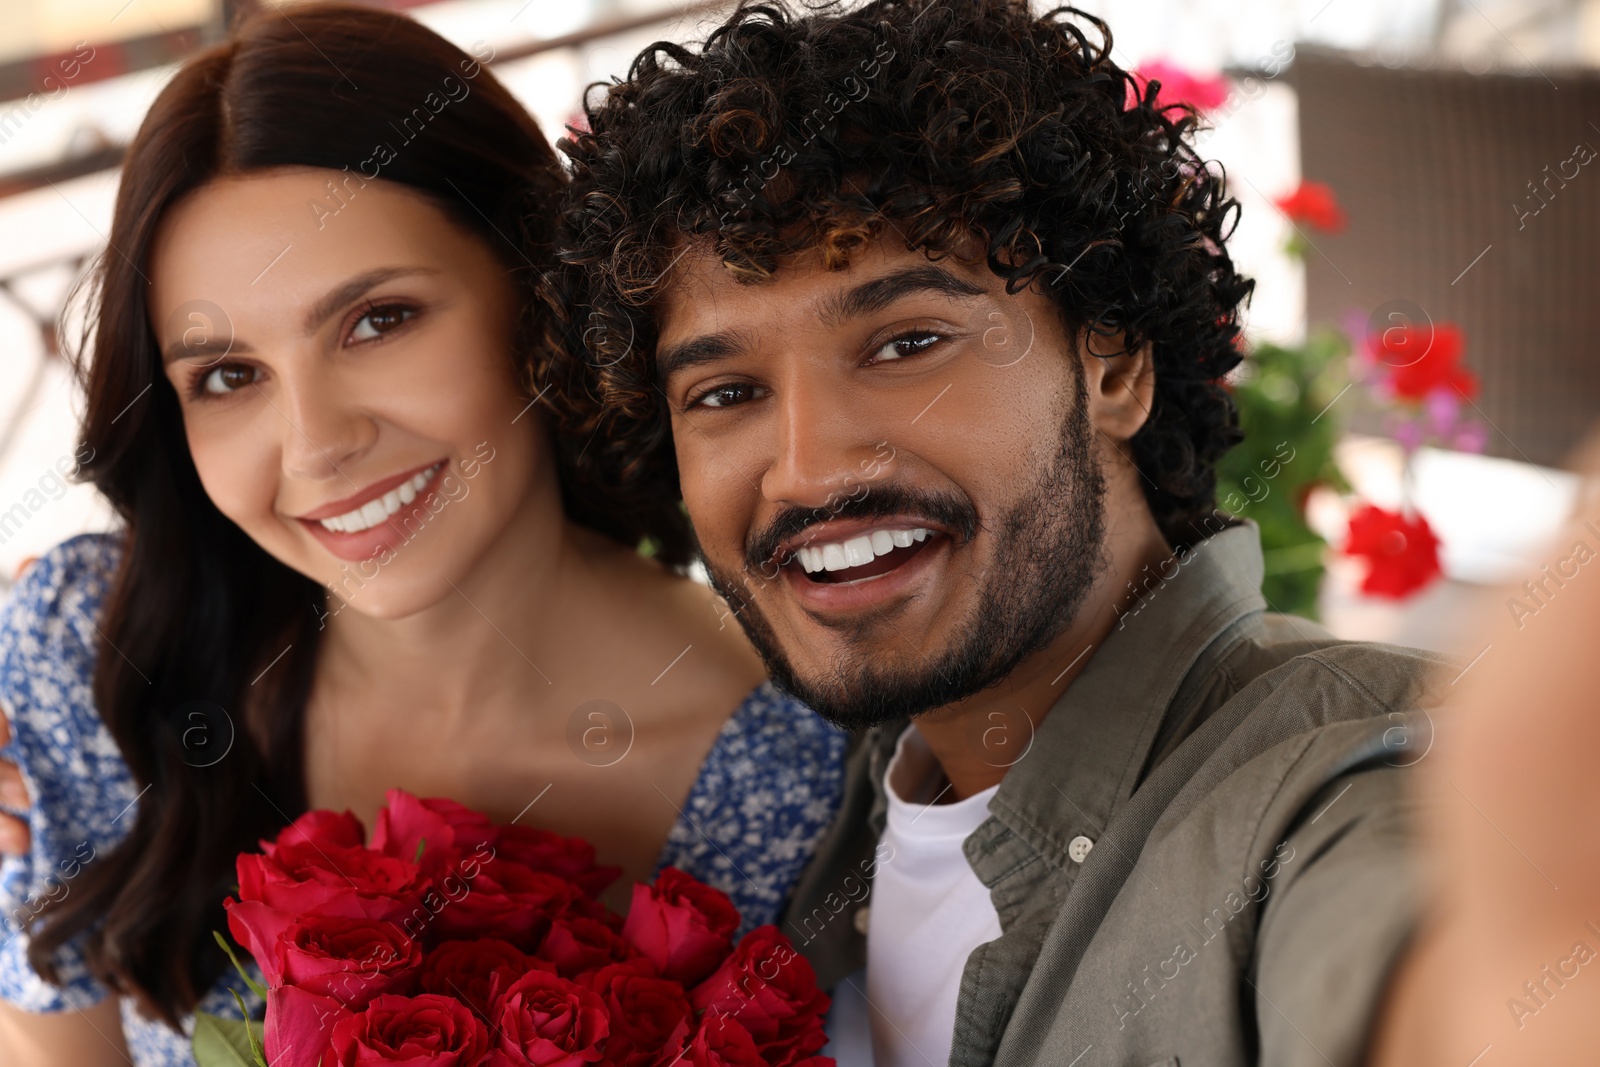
1505,971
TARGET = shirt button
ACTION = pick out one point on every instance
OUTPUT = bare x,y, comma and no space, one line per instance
862,920
1079,848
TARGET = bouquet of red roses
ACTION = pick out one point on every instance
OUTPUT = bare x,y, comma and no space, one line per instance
448,941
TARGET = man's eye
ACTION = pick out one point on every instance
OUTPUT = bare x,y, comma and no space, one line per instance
228,378
379,321
725,396
909,344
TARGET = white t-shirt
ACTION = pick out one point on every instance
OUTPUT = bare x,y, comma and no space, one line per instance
928,911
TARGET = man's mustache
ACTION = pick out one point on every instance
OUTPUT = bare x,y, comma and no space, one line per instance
950,511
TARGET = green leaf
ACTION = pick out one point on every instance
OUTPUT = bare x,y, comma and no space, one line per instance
255,987
220,1042
422,843
257,1050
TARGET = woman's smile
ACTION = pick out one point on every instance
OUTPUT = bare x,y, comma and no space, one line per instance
379,517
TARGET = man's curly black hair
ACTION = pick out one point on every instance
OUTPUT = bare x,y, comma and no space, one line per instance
943,122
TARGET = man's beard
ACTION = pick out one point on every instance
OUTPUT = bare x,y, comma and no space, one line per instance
1048,552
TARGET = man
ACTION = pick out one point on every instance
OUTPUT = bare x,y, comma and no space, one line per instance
937,316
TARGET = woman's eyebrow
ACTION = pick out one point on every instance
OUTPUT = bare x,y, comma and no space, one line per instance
352,289
215,348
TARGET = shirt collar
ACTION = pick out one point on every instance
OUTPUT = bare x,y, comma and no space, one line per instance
1088,752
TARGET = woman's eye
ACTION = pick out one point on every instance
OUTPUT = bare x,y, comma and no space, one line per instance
726,396
228,378
379,321
910,344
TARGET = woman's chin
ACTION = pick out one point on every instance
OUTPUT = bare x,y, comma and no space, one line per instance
388,586
386,601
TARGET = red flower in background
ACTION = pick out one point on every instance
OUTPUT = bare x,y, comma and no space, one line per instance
1402,553
1178,86
1313,204
1423,358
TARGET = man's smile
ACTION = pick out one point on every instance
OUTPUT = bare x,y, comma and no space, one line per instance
862,557
901,573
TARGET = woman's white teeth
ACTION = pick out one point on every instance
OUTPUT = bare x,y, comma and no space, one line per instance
857,551
376,510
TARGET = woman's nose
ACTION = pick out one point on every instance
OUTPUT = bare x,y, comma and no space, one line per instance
324,427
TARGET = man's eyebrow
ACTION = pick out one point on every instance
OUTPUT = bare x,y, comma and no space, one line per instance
879,293
344,293
708,348
864,299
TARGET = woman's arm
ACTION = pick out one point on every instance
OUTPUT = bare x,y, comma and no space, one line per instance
14,837
90,1037
86,1037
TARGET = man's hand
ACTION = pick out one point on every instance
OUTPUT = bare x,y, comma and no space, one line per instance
1506,970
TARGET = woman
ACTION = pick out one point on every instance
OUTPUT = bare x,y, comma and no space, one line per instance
361,549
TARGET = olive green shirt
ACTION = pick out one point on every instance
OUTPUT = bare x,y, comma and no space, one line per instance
1204,858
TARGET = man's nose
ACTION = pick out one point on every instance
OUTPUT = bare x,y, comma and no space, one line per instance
324,425
823,449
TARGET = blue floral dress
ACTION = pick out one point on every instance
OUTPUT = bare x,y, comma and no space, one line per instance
765,795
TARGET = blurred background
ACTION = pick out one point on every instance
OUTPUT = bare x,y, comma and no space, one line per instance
1419,211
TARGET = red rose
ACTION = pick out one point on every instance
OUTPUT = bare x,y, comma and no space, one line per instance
508,901
1424,358
1313,204
648,1014
351,960
476,972
722,1042
444,829
772,990
298,1031
566,857
316,866
258,925
321,827
300,875
1402,553
543,1020
576,944
681,925
423,1030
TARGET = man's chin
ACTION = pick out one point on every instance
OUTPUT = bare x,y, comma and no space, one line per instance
858,698
860,685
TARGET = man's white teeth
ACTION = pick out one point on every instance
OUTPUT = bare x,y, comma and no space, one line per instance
857,551
380,508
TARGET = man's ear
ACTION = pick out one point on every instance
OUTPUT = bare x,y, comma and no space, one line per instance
1121,383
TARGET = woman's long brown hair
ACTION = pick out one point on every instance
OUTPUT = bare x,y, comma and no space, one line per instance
197,611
